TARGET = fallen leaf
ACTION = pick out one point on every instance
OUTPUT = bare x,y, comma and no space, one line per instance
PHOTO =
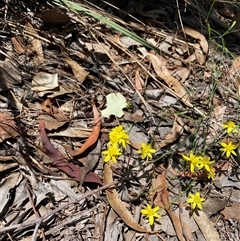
214,205
55,92
162,199
43,81
51,123
201,48
174,134
54,17
52,152
117,204
7,127
19,45
79,72
206,226
159,65
115,103
234,73
232,212
138,81
36,43
61,163
94,135
9,75
72,132
49,107
6,185
91,160
75,172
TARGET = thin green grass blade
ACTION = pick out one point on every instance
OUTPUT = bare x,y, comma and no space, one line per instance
75,7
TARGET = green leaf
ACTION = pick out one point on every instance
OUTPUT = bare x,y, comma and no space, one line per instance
115,103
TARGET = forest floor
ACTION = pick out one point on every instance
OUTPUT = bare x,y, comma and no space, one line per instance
119,120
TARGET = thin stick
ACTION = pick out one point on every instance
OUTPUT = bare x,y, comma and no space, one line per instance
40,219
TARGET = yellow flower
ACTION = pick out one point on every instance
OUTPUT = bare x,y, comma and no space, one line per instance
230,126
119,136
228,148
207,163
195,161
211,173
146,151
112,153
151,213
195,200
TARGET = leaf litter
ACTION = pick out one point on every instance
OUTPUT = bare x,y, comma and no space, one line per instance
68,79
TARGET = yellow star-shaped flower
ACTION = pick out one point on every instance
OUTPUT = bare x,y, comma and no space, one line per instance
195,200
228,148
146,151
112,153
230,126
151,213
207,163
119,136
194,161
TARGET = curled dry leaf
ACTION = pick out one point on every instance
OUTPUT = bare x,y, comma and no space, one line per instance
50,149
159,65
160,185
7,127
234,73
9,75
49,107
174,134
36,43
206,226
79,72
44,81
117,204
201,48
73,170
94,135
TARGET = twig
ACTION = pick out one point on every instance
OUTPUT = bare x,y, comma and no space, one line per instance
39,220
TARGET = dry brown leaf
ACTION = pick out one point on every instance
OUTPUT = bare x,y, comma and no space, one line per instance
206,226
201,48
8,166
7,127
234,73
36,43
162,199
232,212
79,72
94,135
48,106
44,81
117,204
51,123
138,81
19,45
9,75
174,134
159,65
55,17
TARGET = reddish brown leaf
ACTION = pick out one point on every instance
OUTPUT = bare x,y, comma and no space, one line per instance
80,174
94,135
75,172
50,149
